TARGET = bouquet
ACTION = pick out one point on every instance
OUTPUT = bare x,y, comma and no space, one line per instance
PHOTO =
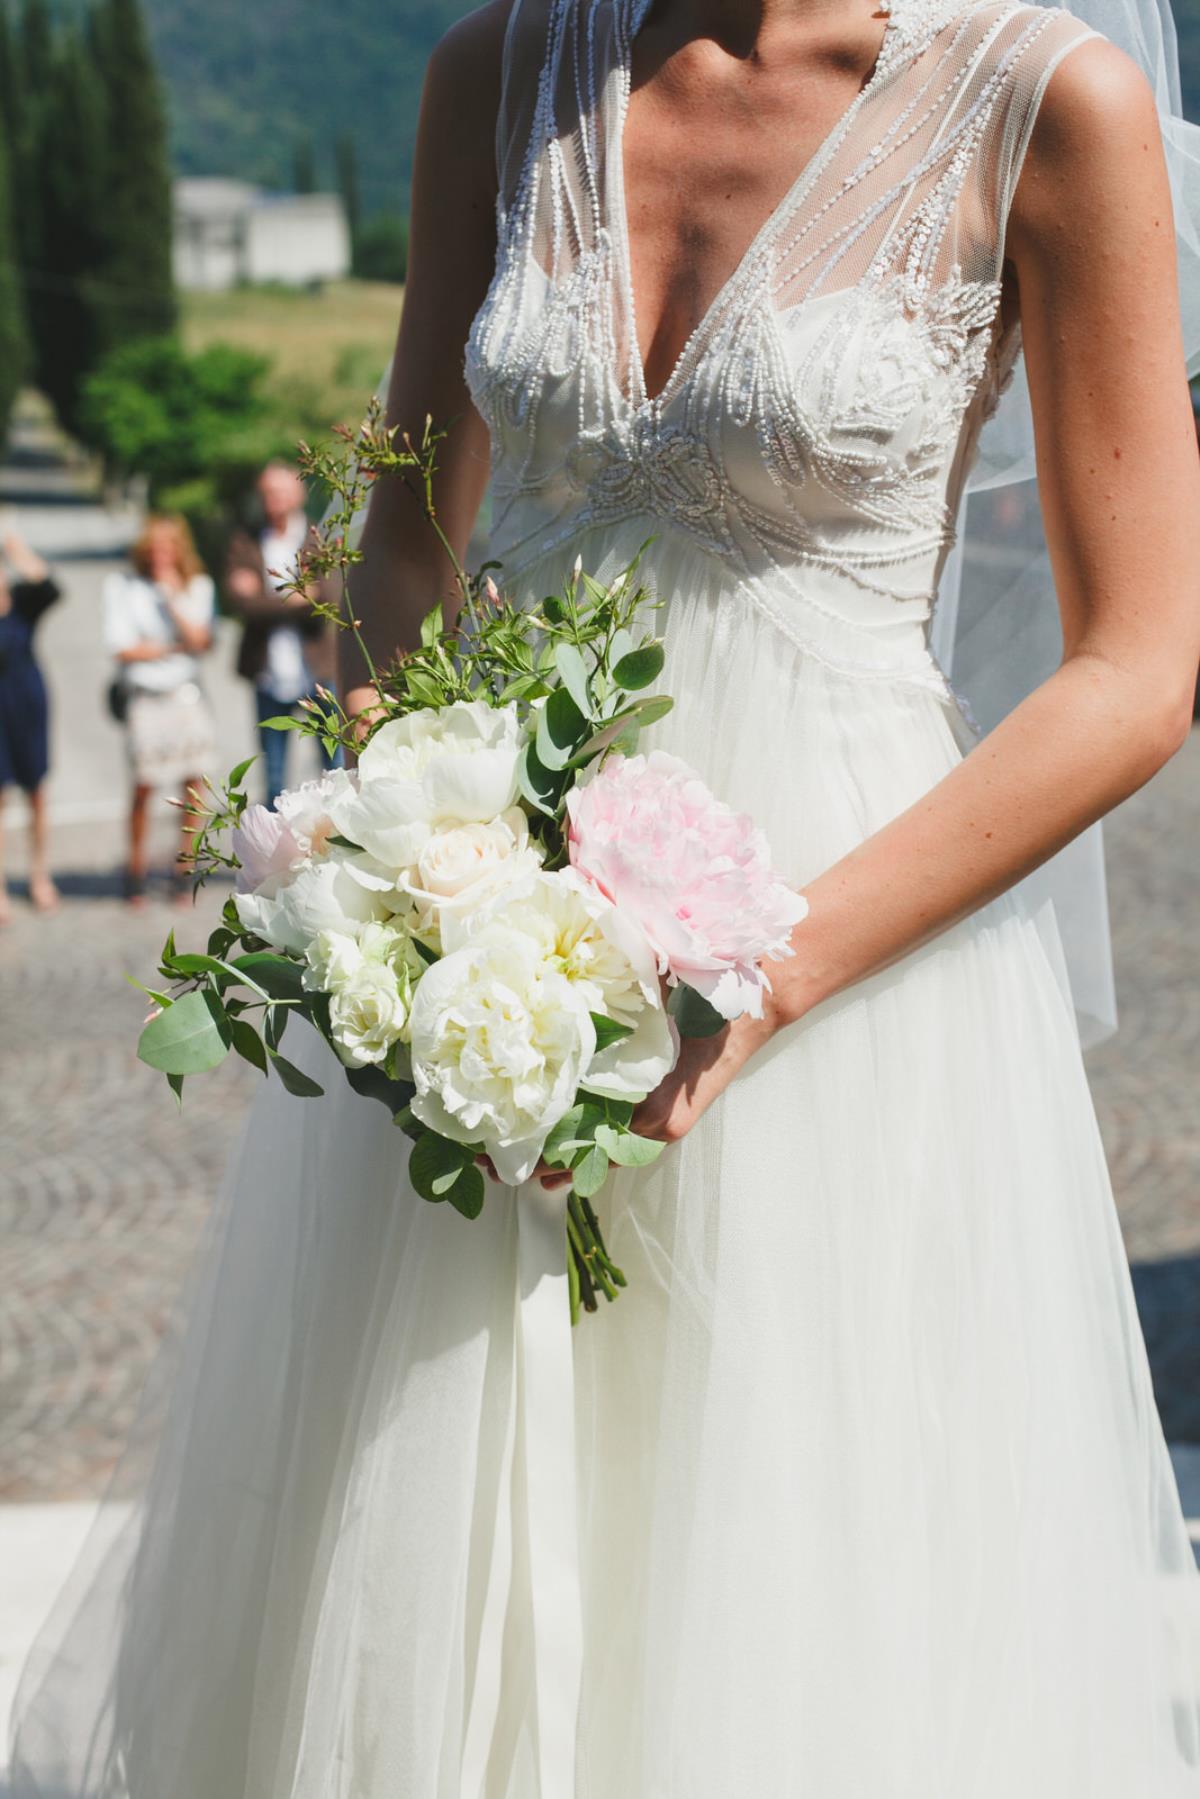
505,917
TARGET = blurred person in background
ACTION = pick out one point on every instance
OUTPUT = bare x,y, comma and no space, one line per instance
24,710
285,651
158,623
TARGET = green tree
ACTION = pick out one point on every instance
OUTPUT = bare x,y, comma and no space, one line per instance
346,161
13,343
304,167
381,253
134,290
71,300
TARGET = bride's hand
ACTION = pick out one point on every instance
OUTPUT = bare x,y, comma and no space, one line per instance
705,1068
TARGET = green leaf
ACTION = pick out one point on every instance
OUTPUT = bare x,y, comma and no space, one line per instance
294,1079
278,975
589,1174
640,667
561,728
197,964
220,940
188,1037
440,1170
608,1030
576,1129
175,1083
281,724
374,1083
622,643
423,687
692,1013
248,1044
238,774
540,785
573,670
432,626
645,711
275,1025
553,609
626,1148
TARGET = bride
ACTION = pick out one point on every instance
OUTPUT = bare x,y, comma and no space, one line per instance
867,1497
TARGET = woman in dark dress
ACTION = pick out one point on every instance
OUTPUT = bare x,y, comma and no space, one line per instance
24,710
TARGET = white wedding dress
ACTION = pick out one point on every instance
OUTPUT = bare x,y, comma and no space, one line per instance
866,1496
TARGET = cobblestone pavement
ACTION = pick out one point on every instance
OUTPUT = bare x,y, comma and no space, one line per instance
104,1185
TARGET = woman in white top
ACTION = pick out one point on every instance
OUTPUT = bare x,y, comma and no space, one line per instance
158,622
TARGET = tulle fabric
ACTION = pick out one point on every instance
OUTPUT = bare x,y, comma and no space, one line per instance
873,1497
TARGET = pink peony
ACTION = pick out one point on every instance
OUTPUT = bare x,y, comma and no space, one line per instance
694,875
265,848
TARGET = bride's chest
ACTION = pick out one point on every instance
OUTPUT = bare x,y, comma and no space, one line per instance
850,400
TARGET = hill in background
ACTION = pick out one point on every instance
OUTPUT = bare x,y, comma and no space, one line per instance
248,84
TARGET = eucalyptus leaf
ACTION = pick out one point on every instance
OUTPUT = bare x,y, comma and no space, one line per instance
187,1037
540,785
640,667
573,670
589,1174
561,727
646,711
436,1164
626,1148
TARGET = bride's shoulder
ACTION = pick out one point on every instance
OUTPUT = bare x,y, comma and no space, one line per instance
470,51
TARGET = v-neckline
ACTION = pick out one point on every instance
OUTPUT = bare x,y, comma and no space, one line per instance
642,400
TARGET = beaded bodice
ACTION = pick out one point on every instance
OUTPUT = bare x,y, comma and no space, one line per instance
816,429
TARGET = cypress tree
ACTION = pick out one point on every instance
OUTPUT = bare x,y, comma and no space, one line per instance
135,292
304,167
346,156
73,303
13,342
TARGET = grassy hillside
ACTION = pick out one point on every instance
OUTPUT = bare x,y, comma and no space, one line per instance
247,82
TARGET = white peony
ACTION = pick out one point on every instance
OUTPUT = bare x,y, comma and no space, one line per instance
453,766
320,895
462,867
608,963
368,1011
500,1039
307,810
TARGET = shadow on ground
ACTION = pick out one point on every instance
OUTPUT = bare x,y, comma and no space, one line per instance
1168,1296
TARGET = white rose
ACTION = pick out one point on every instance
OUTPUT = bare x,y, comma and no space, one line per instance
461,867
335,958
456,765
319,896
367,1014
608,963
499,1041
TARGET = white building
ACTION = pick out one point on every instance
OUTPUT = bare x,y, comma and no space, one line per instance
227,232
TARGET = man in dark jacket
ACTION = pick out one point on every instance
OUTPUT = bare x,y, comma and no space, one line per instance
285,650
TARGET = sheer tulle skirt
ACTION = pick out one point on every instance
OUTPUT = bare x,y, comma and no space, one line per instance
873,1497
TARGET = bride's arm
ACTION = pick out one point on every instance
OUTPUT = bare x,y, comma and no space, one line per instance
452,247
1091,240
